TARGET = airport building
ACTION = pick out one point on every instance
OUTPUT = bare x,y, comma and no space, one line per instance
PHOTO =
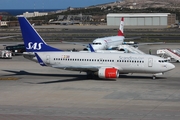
34,14
142,19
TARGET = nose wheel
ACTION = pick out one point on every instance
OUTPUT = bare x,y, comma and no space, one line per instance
153,77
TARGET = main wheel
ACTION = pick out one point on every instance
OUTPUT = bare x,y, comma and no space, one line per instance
90,75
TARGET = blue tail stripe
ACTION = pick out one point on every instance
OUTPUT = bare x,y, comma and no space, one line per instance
32,40
39,60
91,48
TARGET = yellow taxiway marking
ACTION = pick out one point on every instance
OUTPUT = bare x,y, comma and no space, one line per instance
9,78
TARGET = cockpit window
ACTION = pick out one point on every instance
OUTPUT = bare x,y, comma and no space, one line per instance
162,61
96,43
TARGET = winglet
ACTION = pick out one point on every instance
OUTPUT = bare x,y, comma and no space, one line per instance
121,27
32,40
91,48
39,60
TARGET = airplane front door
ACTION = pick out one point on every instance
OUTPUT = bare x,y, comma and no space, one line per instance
48,59
150,62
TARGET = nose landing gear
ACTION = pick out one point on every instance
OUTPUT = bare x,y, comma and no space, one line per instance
153,77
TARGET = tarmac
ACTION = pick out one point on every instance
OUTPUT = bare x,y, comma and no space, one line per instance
32,92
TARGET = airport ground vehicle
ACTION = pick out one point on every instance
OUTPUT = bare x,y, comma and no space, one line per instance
15,49
5,54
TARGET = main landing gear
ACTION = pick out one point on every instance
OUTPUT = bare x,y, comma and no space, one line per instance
90,75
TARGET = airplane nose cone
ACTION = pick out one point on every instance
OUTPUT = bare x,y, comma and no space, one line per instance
171,66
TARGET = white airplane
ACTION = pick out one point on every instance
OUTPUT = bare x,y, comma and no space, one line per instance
105,65
106,43
110,42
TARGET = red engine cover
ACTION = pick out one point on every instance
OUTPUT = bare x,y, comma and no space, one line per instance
108,73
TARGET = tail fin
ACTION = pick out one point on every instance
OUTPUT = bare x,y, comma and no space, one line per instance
32,40
121,27
91,48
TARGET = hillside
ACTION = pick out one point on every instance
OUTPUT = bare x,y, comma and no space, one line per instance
141,4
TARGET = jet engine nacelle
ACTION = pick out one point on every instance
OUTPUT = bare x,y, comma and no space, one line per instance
108,73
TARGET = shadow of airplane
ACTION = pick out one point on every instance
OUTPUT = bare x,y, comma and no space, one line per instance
22,72
76,77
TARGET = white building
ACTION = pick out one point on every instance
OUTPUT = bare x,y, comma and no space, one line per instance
3,23
34,14
141,19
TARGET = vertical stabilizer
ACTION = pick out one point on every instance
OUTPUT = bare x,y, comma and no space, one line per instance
121,27
32,40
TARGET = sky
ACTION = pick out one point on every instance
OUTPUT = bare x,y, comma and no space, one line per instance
48,4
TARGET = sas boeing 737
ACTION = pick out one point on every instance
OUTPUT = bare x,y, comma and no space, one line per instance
105,65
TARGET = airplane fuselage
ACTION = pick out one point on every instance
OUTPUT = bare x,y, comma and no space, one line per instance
125,62
107,42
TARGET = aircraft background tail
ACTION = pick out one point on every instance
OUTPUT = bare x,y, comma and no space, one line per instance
91,48
121,27
32,40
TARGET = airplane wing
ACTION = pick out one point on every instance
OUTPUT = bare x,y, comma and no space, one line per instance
7,37
82,68
153,43
77,68
75,43
132,38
